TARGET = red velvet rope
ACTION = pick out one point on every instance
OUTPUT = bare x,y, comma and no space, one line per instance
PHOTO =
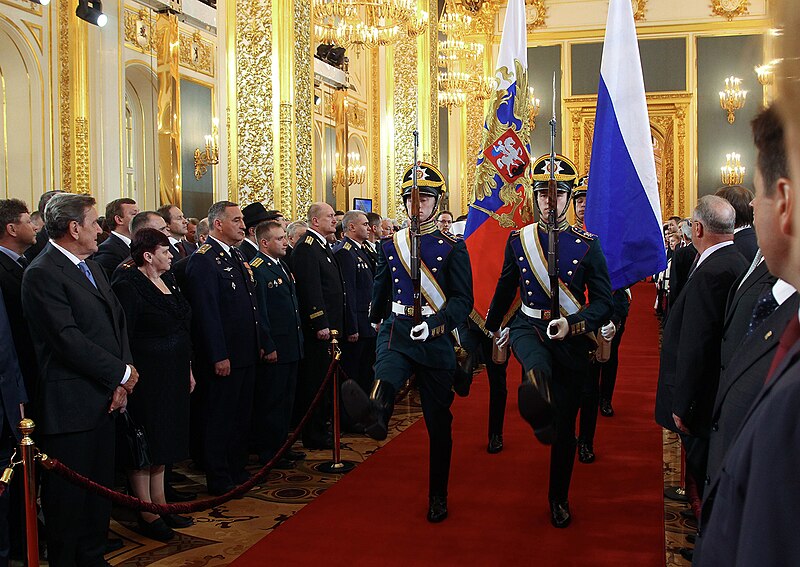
128,501
3,487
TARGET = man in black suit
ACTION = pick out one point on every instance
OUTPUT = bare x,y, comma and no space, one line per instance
294,233
744,237
81,341
374,236
282,340
690,351
683,258
177,227
254,214
178,267
749,514
41,236
144,219
320,294
117,247
358,352
221,289
17,234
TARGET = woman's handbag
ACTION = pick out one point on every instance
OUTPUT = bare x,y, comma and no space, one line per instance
132,443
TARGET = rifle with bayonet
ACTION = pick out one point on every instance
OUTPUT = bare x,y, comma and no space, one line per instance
552,221
415,236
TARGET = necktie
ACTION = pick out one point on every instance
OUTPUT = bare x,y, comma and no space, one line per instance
23,261
753,265
790,336
764,307
87,272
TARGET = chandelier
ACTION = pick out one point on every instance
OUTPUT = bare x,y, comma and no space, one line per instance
732,173
732,98
366,23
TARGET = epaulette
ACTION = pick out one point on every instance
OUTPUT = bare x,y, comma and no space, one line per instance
256,262
309,239
582,233
347,246
128,264
451,237
203,249
515,233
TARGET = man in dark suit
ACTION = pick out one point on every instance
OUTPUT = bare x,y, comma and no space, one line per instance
221,289
41,236
749,514
294,233
254,214
690,351
177,227
744,237
282,340
117,247
371,243
17,234
12,398
81,341
682,261
358,352
178,267
320,294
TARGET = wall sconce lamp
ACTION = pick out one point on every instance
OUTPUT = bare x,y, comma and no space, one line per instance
356,173
210,156
766,76
533,108
732,173
732,98
90,11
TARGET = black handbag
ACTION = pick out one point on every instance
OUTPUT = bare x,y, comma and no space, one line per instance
132,445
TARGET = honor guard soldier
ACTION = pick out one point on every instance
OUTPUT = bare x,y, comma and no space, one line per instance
579,200
425,350
553,348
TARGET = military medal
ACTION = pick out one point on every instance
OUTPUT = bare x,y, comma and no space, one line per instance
233,285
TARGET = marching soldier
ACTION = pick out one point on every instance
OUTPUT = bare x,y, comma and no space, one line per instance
425,350
553,348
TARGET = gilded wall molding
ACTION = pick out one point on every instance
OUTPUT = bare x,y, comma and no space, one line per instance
374,171
285,131
64,83
433,72
535,14
25,6
639,6
729,9
82,155
196,53
139,30
303,182
404,118
37,32
356,116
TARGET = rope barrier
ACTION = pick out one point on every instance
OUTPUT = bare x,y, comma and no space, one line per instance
127,501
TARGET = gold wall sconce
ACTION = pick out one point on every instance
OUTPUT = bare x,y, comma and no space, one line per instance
534,104
356,173
732,173
766,75
732,98
210,156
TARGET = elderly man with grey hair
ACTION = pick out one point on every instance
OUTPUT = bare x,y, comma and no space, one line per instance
690,351
294,232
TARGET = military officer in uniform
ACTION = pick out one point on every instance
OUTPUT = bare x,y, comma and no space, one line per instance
425,350
553,348
221,288
282,341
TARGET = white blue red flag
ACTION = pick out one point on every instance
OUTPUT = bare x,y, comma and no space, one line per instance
622,204
502,177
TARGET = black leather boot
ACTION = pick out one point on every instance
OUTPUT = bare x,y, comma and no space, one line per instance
559,514
535,406
495,444
372,412
585,452
437,509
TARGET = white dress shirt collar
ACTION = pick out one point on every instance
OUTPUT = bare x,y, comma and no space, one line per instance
70,256
782,291
225,247
324,240
709,251
122,237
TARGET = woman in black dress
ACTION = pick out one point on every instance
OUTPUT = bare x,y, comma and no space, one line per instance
158,319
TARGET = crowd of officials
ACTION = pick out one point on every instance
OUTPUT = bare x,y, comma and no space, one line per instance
213,336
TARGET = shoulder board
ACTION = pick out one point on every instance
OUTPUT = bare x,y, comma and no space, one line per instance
347,246
127,264
583,234
256,262
387,238
450,237
203,249
515,233
309,239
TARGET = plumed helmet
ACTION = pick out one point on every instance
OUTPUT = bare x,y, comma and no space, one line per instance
429,180
566,173
581,187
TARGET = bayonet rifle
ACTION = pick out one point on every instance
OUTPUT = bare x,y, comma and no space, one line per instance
414,233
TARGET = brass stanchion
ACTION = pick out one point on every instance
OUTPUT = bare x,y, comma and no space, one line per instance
337,465
28,450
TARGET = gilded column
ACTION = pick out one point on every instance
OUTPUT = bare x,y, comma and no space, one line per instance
405,117
73,99
374,170
283,104
428,92
341,185
303,83
169,109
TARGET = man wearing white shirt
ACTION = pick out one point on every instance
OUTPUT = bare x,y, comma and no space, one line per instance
117,247
177,227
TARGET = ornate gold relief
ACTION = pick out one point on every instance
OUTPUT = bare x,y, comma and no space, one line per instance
196,53
729,8
36,31
139,30
474,133
356,116
169,110
374,171
64,106
639,6
82,155
25,6
535,13
405,117
667,114
303,182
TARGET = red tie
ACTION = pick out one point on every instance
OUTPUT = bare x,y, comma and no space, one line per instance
790,336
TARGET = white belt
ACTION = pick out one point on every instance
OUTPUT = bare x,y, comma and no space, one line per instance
408,310
543,314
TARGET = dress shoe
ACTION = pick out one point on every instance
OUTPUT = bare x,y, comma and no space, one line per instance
676,493
173,495
176,521
495,444
437,509
113,544
687,553
585,452
559,514
294,455
605,408
157,529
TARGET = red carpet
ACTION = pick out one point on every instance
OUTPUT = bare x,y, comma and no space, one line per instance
498,503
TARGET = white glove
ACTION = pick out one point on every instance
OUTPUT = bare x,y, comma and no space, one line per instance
375,326
558,329
501,337
420,332
608,331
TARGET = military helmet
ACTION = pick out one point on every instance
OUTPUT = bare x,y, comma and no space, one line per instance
565,173
429,180
581,187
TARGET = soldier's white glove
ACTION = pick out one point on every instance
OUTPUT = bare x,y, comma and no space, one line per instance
420,332
501,337
558,329
608,331
375,326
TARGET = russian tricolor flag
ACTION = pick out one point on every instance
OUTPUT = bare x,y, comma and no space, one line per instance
503,166
622,204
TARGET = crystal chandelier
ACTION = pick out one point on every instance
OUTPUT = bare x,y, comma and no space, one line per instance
366,23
